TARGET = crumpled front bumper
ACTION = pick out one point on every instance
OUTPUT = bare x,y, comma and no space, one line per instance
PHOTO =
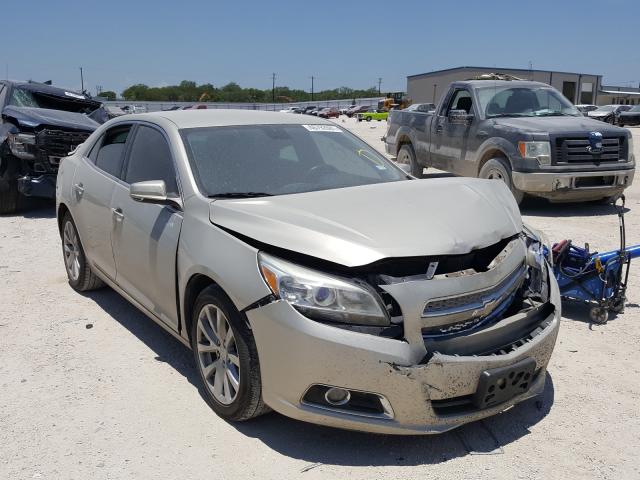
296,352
41,186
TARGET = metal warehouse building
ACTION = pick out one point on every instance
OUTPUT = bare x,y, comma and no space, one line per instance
579,88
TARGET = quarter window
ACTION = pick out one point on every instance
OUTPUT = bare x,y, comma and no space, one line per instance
150,159
110,154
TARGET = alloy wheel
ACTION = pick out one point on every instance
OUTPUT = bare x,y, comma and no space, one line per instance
218,354
71,248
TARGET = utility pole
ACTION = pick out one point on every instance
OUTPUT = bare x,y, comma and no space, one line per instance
81,81
273,87
312,78
379,84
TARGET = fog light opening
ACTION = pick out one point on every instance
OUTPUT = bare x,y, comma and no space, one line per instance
337,396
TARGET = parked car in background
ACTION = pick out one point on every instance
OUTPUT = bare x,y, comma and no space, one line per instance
316,110
584,109
344,110
39,126
308,109
329,112
421,107
357,109
114,111
171,109
196,107
608,113
378,115
288,110
525,134
135,108
309,304
630,117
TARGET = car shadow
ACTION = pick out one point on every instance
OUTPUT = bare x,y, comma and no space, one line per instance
323,445
540,207
34,208
579,311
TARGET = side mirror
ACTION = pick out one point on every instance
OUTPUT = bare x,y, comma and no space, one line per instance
152,191
460,117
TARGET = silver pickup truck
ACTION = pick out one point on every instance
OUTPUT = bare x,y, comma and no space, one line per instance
523,133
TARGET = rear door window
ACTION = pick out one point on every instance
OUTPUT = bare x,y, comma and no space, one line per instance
150,159
110,154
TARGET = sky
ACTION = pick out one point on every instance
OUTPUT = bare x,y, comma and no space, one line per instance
340,42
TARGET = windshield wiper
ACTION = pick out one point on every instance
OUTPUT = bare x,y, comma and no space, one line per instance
553,114
240,195
500,115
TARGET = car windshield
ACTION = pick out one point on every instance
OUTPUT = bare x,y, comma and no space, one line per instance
521,101
22,97
264,160
635,109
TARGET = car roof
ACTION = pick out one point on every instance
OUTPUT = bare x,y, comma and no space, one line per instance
228,117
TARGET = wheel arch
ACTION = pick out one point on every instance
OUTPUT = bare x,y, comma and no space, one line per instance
60,213
492,153
195,285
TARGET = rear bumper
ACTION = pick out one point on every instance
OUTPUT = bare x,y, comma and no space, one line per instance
296,353
574,185
41,186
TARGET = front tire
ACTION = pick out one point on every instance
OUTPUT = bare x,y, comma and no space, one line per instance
226,357
498,169
81,277
407,156
8,185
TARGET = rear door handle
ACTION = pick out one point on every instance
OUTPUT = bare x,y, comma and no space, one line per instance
118,215
79,189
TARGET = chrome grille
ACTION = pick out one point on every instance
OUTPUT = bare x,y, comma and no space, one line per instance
574,150
475,304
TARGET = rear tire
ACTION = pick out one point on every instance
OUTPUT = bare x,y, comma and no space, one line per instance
8,185
81,277
223,345
499,169
407,156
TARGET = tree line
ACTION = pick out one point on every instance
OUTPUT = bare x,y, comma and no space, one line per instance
188,91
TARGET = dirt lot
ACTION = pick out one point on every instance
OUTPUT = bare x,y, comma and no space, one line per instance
92,389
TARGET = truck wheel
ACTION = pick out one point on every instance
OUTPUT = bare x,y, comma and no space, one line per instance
406,156
226,357
498,169
368,119
8,185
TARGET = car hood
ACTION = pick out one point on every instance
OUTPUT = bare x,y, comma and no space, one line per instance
593,113
359,225
34,117
554,125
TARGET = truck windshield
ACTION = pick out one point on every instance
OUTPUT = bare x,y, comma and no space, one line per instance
264,160
22,97
524,102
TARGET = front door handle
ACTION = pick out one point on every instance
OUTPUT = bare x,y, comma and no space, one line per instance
439,128
79,189
118,215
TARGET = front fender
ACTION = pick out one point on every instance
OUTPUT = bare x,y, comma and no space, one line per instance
507,148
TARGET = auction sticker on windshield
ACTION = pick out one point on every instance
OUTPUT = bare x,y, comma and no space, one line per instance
322,128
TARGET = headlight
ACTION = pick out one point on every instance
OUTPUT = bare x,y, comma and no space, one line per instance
631,155
539,257
540,151
320,296
22,145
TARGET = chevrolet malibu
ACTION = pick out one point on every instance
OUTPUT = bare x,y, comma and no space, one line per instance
308,274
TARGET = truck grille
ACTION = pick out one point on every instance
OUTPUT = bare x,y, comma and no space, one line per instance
570,150
53,145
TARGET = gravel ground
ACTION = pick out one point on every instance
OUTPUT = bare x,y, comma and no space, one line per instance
91,388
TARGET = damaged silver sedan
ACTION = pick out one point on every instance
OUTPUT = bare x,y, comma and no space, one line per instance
310,275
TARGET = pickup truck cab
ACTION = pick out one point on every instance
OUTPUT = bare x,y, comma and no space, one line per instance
526,134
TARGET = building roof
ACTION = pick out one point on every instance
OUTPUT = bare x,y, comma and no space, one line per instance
619,92
495,69
227,117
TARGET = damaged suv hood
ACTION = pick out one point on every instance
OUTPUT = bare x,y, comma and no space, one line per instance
359,225
34,117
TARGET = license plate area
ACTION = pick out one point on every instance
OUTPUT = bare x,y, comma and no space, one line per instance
501,384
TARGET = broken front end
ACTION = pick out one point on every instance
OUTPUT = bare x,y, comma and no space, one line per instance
409,345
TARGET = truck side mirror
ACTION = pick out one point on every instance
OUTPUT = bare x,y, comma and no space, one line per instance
460,117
